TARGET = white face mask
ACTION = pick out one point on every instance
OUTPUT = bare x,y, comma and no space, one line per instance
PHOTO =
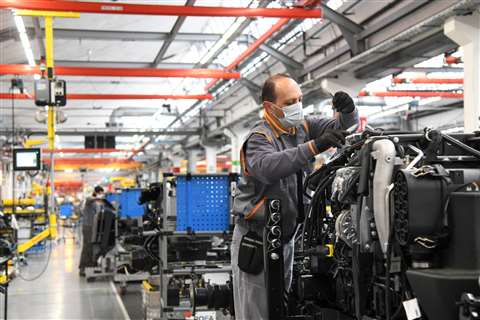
293,115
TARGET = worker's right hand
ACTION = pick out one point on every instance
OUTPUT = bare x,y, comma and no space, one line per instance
330,138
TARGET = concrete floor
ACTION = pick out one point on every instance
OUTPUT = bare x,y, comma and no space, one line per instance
60,293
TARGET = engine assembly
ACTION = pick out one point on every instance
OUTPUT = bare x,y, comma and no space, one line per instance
392,230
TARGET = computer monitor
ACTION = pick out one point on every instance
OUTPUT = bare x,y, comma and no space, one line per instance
26,159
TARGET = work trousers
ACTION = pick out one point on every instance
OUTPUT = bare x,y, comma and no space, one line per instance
86,257
249,291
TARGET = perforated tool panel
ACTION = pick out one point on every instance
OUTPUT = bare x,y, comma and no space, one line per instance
203,203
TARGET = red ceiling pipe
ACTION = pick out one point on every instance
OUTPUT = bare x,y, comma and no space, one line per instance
94,96
87,96
423,94
254,46
452,60
87,161
69,184
78,150
427,81
24,69
160,10
140,149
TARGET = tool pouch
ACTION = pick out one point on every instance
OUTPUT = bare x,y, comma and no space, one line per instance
250,254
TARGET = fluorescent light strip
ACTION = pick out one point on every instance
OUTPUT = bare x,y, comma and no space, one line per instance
24,39
223,40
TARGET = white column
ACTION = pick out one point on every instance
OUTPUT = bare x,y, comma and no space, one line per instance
211,158
7,185
236,145
237,136
177,161
192,160
465,30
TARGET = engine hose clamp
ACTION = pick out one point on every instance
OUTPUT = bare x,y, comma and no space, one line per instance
275,217
330,250
427,134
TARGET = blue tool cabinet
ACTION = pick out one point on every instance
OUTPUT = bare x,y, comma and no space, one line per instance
113,197
128,201
203,202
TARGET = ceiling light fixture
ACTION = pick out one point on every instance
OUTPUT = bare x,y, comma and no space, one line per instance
24,39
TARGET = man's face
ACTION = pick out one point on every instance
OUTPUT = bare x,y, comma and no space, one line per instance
287,92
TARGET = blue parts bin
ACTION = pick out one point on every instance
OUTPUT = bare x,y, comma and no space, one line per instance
66,210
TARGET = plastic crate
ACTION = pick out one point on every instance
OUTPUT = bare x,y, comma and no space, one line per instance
203,202
66,210
38,248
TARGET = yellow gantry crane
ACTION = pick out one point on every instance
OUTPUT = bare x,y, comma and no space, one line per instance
51,231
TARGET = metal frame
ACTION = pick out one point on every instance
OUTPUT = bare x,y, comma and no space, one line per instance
168,269
140,36
123,279
326,67
173,33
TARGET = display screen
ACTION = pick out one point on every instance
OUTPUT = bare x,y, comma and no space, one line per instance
26,159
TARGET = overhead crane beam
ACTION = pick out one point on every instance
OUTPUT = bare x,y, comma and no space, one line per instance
159,10
24,69
95,96
123,133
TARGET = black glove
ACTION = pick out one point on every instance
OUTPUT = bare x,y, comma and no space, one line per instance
330,138
342,102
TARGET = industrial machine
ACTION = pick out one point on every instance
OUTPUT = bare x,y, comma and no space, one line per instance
194,235
391,233
123,246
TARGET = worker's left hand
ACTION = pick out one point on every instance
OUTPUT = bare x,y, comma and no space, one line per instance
342,102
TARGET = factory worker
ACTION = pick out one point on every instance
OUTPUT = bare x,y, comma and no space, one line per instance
88,214
277,152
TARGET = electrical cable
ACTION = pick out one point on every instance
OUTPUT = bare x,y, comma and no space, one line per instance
12,148
44,268
49,251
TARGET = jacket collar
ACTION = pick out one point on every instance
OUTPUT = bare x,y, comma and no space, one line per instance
276,126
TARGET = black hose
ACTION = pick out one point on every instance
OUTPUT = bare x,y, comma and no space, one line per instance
461,145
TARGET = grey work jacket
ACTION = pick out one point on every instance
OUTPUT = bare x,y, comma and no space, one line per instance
270,163
90,209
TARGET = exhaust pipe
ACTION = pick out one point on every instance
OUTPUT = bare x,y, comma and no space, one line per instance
384,152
